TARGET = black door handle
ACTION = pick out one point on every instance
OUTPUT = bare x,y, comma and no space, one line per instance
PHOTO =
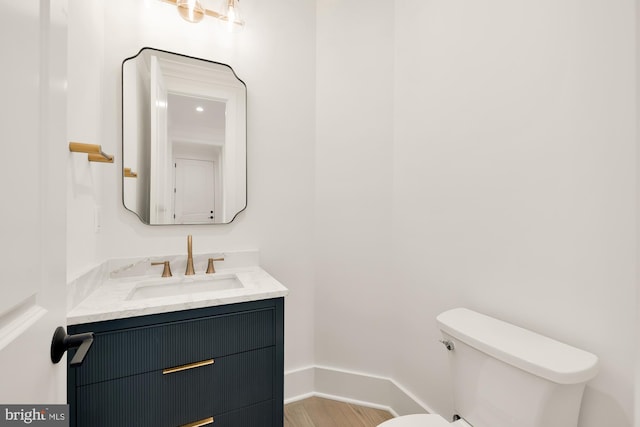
62,342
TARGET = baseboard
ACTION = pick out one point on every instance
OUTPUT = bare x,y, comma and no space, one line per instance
299,384
353,387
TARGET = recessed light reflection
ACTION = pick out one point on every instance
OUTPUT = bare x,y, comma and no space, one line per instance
199,109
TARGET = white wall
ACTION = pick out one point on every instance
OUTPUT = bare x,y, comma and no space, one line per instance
514,163
274,56
513,189
354,290
84,124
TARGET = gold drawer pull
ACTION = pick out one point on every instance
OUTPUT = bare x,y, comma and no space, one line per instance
204,422
184,368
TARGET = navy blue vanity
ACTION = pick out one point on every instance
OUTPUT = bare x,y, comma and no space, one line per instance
222,364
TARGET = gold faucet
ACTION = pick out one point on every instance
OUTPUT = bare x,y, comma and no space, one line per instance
190,270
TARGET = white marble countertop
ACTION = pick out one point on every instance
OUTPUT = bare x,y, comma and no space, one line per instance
108,296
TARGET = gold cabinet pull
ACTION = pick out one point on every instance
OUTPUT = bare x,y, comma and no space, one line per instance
204,422
184,368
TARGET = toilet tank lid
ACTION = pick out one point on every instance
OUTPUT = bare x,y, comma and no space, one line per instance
524,349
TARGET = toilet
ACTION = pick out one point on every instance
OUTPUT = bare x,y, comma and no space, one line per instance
506,376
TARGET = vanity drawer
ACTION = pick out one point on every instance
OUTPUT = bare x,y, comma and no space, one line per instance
130,351
155,399
253,416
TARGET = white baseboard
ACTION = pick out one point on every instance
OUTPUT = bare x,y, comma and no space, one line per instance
299,384
353,387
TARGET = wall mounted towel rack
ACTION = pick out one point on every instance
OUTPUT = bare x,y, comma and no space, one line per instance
94,152
129,174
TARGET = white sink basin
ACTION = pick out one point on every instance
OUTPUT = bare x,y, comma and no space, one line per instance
183,286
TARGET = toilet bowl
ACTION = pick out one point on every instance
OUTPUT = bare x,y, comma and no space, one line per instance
495,358
422,420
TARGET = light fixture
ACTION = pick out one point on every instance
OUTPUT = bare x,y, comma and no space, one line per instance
190,10
193,11
232,14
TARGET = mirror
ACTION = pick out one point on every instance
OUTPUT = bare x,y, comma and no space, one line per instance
184,139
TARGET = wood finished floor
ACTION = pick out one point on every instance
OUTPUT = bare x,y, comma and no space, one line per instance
320,412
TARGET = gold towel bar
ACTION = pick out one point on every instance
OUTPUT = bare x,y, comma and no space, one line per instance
200,423
94,152
185,367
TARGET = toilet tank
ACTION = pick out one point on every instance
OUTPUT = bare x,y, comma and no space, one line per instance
507,376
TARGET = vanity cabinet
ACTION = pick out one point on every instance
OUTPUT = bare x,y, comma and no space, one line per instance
218,365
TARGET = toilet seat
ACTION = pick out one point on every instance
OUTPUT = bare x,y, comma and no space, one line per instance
417,420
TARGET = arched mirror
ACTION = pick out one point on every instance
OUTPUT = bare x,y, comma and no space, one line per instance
183,139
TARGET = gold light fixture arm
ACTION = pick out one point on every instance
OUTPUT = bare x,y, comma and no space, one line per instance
94,152
207,12
214,14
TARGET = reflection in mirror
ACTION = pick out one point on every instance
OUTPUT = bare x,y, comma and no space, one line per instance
184,137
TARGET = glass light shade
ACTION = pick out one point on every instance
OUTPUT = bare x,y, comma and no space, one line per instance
190,10
231,13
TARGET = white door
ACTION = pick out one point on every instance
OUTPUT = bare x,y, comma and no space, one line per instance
194,191
32,222
161,173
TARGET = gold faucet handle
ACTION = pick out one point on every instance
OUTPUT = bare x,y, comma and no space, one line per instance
167,268
210,268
